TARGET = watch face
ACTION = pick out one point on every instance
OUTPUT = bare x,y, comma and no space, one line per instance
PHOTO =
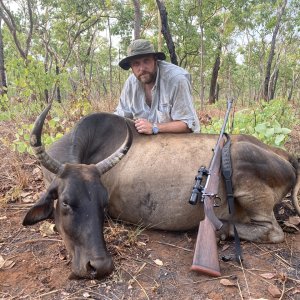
155,130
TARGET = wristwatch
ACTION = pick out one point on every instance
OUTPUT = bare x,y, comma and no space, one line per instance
155,129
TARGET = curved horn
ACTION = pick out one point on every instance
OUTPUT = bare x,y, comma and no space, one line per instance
48,162
106,164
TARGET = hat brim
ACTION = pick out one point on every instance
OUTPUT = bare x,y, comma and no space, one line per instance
125,62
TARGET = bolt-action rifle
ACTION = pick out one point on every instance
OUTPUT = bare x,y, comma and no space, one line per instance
206,253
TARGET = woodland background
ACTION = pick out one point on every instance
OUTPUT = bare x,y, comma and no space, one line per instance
68,52
246,49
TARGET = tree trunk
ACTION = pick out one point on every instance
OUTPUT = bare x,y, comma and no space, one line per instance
202,86
57,72
137,19
272,53
3,84
294,81
214,76
9,20
166,31
273,84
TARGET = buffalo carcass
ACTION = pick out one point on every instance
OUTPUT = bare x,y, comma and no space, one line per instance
151,185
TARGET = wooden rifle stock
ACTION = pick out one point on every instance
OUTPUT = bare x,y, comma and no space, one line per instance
206,259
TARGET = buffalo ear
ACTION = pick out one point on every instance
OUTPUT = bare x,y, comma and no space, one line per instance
43,209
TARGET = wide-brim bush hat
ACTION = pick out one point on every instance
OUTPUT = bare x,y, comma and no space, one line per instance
138,48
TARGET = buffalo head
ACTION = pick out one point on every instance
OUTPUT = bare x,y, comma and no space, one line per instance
80,206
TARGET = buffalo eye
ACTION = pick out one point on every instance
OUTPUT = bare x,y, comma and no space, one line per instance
65,205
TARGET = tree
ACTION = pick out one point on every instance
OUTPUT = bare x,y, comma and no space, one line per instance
3,84
17,31
267,89
213,92
166,31
137,19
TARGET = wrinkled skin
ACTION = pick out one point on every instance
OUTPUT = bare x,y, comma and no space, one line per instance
152,184
75,218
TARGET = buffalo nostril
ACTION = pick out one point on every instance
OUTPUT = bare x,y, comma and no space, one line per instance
100,267
91,269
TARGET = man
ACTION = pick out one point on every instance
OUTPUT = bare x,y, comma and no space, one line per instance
158,94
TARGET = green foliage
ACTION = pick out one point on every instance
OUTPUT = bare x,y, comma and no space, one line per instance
60,121
52,131
4,104
269,122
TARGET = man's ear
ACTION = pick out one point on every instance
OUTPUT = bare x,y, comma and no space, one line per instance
43,209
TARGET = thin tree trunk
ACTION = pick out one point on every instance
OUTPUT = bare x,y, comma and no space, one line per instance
57,72
273,84
9,20
214,76
202,87
159,39
137,19
272,53
166,31
3,83
294,81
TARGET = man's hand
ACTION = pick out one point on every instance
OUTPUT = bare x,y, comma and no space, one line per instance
143,126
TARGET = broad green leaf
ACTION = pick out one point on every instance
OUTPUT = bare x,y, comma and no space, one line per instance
285,130
269,132
279,139
261,128
21,147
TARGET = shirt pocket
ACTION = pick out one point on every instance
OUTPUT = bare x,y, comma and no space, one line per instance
164,113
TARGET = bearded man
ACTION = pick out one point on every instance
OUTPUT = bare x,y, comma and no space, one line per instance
158,95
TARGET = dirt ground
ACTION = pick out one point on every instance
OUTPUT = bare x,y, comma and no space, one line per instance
148,264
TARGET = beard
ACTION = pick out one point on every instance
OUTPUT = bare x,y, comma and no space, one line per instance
147,77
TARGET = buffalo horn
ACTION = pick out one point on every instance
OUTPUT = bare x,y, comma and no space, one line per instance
106,164
46,161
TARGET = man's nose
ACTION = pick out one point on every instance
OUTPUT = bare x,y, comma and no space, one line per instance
143,67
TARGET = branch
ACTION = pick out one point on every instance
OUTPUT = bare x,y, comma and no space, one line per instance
10,23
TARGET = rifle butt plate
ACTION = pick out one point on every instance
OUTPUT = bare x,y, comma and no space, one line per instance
206,271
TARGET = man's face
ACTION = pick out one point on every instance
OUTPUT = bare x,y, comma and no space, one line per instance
144,68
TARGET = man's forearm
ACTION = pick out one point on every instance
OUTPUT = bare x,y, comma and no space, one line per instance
145,127
173,127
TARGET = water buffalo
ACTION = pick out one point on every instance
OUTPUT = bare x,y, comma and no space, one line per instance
151,185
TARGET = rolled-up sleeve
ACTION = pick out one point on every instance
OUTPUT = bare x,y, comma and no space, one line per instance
182,106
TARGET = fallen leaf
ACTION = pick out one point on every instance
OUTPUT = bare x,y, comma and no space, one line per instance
28,200
141,244
295,220
281,211
227,282
158,262
25,194
288,224
6,264
268,275
36,170
86,295
225,247
274,291
47,229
